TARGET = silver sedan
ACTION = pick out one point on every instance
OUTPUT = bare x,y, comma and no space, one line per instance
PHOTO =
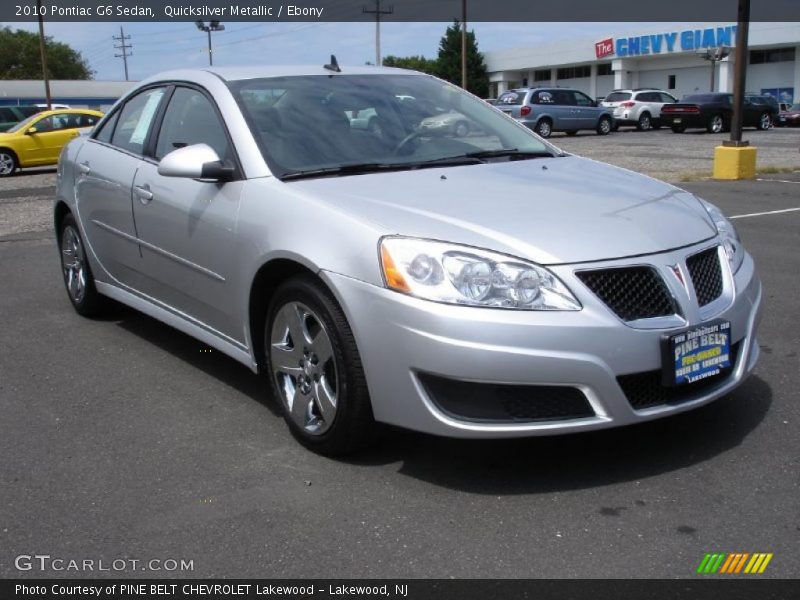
488,286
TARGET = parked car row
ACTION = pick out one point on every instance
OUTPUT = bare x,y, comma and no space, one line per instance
37,140
548,109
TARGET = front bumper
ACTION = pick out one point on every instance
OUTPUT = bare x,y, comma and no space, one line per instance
400,337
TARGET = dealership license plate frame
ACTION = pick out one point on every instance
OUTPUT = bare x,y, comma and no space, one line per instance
670,374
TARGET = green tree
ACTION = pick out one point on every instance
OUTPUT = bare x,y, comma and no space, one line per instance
416,63
449,61
20,59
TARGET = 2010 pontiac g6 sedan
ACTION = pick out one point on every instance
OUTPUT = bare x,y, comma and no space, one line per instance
482,285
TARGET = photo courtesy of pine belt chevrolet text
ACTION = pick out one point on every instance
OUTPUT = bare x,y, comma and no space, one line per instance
389,249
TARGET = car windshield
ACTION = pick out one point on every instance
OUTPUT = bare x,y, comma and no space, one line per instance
618,97
23,124
356,123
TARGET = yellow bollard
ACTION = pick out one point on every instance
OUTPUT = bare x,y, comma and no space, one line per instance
734,162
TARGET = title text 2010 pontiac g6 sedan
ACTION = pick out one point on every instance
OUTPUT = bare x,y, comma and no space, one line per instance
483,285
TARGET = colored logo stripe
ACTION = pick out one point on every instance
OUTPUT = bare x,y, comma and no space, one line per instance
724,563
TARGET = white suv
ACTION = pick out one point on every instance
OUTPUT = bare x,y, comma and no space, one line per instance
640,107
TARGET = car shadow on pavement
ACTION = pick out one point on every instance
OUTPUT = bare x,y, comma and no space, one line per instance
581,460
195,353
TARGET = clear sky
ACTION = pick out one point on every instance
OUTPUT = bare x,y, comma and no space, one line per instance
161,46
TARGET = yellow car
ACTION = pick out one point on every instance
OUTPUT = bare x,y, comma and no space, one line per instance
38,140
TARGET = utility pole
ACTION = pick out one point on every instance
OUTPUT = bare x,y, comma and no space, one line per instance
378,13
464,44
43,55
212,26
740,73
124,47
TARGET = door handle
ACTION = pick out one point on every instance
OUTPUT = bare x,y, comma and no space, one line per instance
84,167
144,193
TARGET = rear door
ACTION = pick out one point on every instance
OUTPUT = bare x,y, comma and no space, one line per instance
106,166
187,227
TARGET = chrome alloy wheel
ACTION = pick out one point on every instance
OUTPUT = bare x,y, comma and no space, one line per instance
7,164
304,368
716,124
765,122
73,264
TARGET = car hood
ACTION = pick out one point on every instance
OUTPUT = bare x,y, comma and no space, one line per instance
551,210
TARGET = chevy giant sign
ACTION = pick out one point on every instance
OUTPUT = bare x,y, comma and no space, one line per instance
683,41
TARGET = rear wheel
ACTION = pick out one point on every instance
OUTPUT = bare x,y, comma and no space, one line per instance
544,128
8,163
604,126
764,121
315,370
715,124
78,278
644,123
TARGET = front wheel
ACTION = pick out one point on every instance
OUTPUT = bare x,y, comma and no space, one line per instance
8,163
764,121
315,370
78,278
604,126
644,123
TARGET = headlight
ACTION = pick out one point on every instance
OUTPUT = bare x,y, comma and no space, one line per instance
457,274
730,238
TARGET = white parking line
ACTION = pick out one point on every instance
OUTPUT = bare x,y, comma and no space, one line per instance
778,180
769,212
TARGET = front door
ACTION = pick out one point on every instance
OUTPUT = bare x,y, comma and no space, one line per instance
187,227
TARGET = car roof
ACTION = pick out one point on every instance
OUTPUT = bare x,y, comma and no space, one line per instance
69,111
265,71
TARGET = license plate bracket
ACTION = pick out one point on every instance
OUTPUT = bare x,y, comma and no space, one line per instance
696,353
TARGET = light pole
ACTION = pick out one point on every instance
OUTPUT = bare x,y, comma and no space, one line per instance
212,26
714,55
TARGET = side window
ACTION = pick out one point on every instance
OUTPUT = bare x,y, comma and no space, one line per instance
582,99
7,115
46,125
87,120
104,135
135,120
564,97
191,119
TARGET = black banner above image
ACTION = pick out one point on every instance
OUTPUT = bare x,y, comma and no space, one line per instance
395,10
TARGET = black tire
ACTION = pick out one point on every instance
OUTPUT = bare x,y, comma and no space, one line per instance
544,128
645,123
604,126
9,163
352,427
678,128
571,132
716,124
88,303
764,121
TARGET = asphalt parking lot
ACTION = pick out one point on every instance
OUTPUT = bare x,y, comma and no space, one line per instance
122,438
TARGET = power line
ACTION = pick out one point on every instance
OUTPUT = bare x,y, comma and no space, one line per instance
124,47
378,14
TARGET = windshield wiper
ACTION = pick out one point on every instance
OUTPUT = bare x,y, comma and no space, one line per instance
512,153
354,169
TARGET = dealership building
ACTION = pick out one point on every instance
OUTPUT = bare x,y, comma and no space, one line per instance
668,58
81,93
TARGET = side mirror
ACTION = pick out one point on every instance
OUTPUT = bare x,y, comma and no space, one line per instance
198,161
31,131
